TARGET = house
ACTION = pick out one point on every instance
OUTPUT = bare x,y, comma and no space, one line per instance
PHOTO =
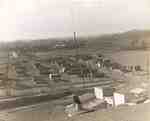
119,99
102,98
110,96
14,54
55,77
100,93
60,44
105,94
62,69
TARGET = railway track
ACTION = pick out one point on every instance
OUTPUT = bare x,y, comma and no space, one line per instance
9,103
84,84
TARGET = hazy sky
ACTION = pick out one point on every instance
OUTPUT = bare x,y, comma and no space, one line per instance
23,19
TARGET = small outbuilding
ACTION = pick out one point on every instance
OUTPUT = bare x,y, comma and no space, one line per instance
109,95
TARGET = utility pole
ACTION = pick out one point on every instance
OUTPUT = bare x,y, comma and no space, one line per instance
7,76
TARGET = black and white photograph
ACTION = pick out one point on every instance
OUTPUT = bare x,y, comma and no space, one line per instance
74,60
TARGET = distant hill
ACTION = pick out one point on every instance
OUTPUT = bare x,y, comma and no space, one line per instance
134,39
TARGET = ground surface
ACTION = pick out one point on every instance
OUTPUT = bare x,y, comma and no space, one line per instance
50,112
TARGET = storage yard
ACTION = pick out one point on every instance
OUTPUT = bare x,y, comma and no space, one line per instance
74,84
46,80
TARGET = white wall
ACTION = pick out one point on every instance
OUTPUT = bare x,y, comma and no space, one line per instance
119,99
98,91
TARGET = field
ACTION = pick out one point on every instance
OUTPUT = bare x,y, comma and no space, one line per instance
36,60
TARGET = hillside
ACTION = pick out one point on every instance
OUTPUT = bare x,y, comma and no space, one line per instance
134,39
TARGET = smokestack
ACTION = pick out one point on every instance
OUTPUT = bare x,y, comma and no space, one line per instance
76,43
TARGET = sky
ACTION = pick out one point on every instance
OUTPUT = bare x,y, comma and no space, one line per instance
33,19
